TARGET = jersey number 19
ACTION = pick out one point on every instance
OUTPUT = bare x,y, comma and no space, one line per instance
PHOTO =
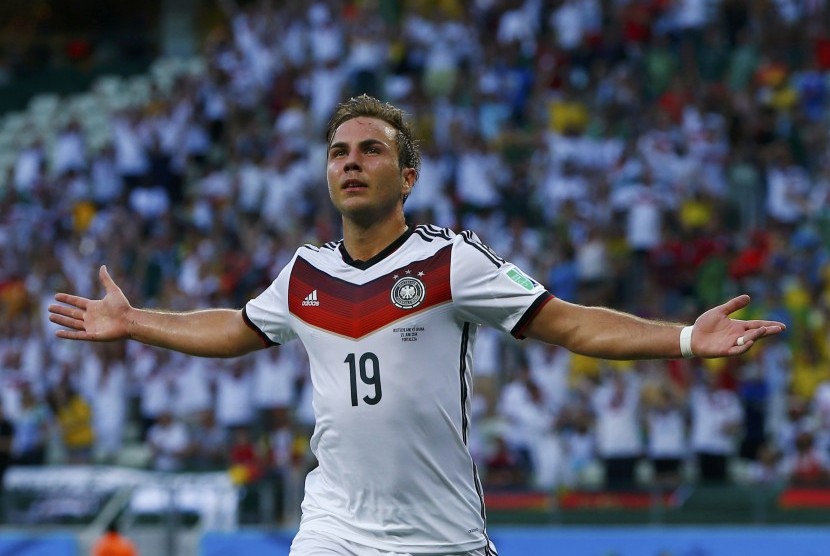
369,374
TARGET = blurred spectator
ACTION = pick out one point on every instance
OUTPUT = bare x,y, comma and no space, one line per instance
752,392
6,446
169,442
69,150
616,407
282,457
73,415
190,389
129,142
808,465
549,367
208,444
577,440
234,394
717,418
29,168
31,430
246,461
529,430
153,369
107,185
504,468
113,543
104,382
667,433
767,468
274,382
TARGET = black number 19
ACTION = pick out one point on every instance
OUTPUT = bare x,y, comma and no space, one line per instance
368,376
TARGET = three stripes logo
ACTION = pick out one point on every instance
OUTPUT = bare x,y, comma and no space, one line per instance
311,300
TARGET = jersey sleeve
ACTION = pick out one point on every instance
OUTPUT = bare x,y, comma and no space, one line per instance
488,290
268,313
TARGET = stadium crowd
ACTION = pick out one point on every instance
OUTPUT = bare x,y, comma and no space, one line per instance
656,156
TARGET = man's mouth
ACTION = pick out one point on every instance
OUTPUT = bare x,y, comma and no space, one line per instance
353,184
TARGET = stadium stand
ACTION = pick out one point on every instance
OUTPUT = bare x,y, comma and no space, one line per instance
652,156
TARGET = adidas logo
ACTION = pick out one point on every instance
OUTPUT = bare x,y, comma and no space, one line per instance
311,300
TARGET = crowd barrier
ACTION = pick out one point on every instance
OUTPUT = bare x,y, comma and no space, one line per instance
585,541
21,544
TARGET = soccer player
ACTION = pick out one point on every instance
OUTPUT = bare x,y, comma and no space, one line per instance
388,315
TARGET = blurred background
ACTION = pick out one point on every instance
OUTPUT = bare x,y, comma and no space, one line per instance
655,156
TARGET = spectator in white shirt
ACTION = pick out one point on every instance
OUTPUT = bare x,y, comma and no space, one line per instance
574,20
107,184
788,189
616,406
168,442
69,149
154,374
234,393
667,432
275,376
431,195
477,176
105,386
128,140
550,367
717,417
530,430
29,167
191,389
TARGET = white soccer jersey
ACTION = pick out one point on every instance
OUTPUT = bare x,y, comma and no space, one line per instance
390,346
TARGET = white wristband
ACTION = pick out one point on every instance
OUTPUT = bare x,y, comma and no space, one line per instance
686,342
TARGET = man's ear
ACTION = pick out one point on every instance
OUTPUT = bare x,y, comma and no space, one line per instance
409,177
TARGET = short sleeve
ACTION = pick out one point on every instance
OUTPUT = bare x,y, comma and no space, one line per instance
268,313
488,290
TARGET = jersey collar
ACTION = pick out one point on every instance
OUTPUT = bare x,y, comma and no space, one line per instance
388,250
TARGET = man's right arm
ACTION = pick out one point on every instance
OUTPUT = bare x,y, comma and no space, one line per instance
206,333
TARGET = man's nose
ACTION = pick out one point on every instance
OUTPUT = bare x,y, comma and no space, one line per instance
352,162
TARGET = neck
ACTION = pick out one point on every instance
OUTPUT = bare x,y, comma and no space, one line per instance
365,241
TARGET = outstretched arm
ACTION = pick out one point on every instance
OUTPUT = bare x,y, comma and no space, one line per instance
609,334
208,333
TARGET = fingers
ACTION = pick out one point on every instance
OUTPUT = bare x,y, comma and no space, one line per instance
105,277
70,315
752,333
74,300
735,304
73,335
66,311
738,350
747,339
67,321
771,326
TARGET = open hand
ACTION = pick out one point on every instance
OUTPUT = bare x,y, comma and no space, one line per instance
89,319
717,335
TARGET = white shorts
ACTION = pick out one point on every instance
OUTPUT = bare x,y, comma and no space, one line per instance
314,543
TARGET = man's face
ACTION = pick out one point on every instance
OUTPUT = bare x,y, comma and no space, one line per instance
364,177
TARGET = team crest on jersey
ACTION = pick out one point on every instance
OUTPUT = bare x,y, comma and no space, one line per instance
408,293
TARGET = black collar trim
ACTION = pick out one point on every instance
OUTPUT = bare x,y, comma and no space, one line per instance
388,250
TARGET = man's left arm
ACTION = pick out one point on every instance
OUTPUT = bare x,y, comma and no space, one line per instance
609,334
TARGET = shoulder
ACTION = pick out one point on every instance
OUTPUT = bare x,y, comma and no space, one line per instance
436,234
432,233
318,255
465,244
330,247
467,241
